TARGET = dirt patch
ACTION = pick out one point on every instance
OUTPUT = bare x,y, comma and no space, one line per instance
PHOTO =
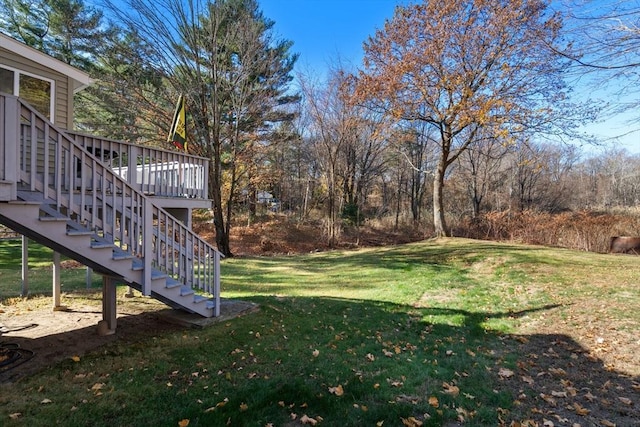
33,336
40,337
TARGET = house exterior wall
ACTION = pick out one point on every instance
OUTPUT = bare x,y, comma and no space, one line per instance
63,96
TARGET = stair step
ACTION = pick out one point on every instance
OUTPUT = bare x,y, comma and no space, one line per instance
157,274
24,202
120,254
172,283
211,304
186,290
197,299
31,197
76,232
54,218
101,244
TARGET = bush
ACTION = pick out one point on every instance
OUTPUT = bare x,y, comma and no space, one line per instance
583,230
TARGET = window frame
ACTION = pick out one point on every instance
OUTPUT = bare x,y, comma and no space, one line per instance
16,86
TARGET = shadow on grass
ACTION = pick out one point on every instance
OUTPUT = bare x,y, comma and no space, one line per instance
286,357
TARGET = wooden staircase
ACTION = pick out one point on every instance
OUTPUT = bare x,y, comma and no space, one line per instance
58,193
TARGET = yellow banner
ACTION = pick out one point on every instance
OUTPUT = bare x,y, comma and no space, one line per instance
178,132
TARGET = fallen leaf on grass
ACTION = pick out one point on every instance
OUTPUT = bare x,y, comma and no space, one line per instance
183,423
607,423
550,400
243,407
625,400
433,401
316,353
338,390
75,358
15,415
505,373
527,379
558,371
218,405
450,389
580,410
307,420
45,401
411,422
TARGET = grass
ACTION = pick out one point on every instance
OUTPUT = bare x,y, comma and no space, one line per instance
39,273
385,336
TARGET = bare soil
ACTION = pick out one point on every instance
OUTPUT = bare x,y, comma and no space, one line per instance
33,336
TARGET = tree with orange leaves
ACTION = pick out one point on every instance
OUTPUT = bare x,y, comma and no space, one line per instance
471,69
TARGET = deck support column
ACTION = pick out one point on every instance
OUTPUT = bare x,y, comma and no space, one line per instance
56,283
25,267
107,326
89,277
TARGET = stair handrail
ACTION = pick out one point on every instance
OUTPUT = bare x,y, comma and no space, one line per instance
88,191
189,177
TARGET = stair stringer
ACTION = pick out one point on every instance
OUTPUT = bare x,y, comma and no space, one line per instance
86,248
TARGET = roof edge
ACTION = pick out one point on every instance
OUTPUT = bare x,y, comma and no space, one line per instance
81,79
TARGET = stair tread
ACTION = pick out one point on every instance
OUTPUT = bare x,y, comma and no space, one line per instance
186,291
24,202
157,274
172,283
119,254
200,298
76,232
54,218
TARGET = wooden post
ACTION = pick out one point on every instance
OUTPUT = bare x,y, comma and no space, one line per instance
89,277
107,326
56,283
25,267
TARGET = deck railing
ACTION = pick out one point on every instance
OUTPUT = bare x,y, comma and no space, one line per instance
86,189
153,171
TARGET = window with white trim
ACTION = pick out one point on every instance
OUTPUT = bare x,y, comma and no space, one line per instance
36,90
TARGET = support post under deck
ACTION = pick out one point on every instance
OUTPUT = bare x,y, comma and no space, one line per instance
107,326
25,267
56,283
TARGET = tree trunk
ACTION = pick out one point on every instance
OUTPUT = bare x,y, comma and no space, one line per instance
438,201
222,234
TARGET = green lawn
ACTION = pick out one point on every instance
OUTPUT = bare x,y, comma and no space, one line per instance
40,280
421,334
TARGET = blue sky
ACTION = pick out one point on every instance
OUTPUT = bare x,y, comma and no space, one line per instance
325,31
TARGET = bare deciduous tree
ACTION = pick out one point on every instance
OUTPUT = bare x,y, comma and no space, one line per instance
460,66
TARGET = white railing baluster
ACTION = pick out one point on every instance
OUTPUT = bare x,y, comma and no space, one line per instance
59,179
45,174
33,142
147,236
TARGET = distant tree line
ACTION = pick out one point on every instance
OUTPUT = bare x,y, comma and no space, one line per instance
459,108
